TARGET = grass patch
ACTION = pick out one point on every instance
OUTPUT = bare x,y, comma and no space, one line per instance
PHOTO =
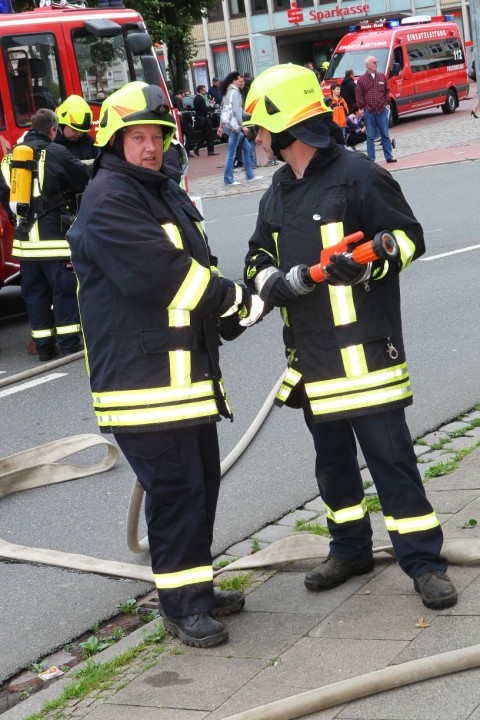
373,503
224,563
95,677
237,582
445,468
254,545
312,527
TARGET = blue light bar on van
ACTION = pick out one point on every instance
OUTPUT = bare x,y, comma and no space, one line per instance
448,18
393,23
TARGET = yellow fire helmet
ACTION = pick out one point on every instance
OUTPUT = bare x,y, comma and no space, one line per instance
75,112
283,96
325,65
136,103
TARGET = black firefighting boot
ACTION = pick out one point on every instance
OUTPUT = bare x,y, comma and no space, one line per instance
225,602
334,571
436,589
201,630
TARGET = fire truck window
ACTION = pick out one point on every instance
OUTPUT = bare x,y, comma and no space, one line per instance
435,54
34,76
103,65
2,116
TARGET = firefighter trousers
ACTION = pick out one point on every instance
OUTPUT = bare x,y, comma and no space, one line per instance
386,443
180,472
49,291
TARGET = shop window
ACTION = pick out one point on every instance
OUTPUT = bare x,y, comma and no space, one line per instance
221,61
236,8
243,58
258,6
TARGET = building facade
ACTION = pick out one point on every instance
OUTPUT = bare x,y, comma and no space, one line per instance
253,35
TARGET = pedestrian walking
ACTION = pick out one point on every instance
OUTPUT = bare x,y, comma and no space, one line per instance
347,367
203,121
151,304
372,94
231,124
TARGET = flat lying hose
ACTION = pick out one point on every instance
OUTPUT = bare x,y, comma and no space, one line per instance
38,467
133,516
378,681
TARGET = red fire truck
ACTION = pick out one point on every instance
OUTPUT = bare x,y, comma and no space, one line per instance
59,49
422,57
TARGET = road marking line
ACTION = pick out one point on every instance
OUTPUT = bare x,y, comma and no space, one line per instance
32,383
452,252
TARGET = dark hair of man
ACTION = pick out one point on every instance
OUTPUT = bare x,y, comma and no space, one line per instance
200,87
44,120
234,75
349,73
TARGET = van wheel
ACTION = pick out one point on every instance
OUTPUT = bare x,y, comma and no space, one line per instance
451,103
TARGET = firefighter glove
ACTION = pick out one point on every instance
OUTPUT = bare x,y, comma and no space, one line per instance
343,270
273,288
299,280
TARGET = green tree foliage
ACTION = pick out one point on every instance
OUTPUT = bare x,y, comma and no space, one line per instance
170,22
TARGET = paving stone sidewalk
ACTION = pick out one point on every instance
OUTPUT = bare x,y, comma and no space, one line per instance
288,640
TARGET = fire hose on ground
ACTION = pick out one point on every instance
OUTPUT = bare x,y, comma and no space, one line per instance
39,467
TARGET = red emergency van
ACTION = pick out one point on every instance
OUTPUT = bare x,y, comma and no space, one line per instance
59,49
422,57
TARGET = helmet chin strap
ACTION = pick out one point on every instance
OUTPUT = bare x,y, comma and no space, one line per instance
281,141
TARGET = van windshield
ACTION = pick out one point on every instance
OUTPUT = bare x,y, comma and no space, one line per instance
355,60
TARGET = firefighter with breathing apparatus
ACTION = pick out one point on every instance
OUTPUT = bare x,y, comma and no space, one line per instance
151,301
346,360
36,177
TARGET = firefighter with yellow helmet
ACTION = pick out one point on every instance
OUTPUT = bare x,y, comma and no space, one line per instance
347,368
151,300
75,120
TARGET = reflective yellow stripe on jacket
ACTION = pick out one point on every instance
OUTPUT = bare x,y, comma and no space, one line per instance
156,405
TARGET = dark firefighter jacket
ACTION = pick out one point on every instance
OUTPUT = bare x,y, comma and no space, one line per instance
344,343
149,300
83,148
59,172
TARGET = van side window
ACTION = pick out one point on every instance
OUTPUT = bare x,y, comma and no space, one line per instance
398,57
435,54
34,75
103,64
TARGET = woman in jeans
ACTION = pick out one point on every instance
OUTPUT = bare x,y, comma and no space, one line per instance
231,96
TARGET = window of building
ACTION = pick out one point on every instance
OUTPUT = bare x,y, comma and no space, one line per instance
33,74
216,13
243,57
221,60
285,4
236,8
258,6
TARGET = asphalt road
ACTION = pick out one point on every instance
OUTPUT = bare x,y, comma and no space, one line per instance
43,608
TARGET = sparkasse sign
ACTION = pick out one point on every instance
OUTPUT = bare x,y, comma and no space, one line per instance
295,14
